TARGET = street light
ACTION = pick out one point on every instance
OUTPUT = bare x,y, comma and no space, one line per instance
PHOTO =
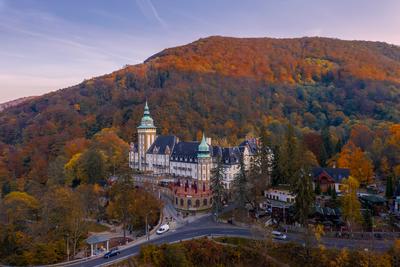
67,247
147,225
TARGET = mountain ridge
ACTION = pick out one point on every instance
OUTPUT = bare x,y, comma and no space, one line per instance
15,102
302,48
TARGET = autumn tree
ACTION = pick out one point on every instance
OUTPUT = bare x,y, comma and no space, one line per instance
361,136
93,162
132,206
350,203
315,144
357,161
64,215
75,146
56,171
18,208
90,196
114,149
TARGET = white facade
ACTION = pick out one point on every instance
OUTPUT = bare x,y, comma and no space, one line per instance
184,169
282,195
158,163
158,155
230,172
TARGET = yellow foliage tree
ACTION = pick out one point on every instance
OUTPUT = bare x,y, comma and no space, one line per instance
350,203
19,207
396,171
113,148
74,170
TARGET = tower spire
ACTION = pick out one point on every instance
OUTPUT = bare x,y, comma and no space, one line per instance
146,109
147,120
204,149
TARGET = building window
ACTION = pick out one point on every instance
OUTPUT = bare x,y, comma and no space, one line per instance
189,203
205,202
176,201
197,203
182,202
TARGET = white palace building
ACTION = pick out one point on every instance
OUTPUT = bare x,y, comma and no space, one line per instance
167,155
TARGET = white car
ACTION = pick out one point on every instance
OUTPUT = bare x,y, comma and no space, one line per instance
278,235
163,229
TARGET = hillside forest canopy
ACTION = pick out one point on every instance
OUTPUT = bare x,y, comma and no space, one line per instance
227,87
342,99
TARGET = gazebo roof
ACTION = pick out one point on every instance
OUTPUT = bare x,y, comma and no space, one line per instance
95,239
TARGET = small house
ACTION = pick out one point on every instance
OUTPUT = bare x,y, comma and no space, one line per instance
330,177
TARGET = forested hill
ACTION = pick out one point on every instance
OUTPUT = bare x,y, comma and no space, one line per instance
302,60
227,86
14,103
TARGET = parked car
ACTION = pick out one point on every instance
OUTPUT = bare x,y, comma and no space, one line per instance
113,252
278,235
163,229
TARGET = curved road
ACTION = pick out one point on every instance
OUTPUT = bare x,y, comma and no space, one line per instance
169,238
207,227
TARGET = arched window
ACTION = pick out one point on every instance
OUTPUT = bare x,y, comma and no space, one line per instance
205,202
189,203
182,202
197,203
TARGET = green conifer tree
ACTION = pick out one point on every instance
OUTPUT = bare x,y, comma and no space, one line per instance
302,188
240,185
389,186
334,193
260,171
327,139
317,189
288,163
217,186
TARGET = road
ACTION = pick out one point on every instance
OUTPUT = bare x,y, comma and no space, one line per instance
207,227
186,232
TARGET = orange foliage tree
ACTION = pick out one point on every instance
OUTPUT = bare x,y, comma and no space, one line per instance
361,167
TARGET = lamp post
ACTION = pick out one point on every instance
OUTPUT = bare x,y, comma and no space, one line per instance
67,247
373,226
147,225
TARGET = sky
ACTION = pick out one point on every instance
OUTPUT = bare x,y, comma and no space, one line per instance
47,45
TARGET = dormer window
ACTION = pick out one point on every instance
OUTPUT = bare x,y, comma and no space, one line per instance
155,149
